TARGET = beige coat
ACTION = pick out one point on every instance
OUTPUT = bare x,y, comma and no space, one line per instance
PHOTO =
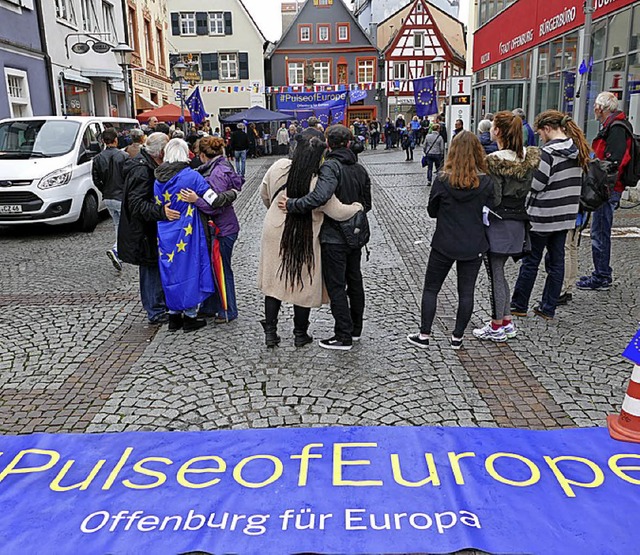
269,282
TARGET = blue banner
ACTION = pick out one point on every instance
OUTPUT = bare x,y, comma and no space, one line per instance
357,95
328,107
632,352
196,107
425,95
568,95
322,490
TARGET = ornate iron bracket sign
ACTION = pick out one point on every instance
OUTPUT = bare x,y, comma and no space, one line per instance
91,43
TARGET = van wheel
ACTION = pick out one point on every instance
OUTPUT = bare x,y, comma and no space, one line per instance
89,214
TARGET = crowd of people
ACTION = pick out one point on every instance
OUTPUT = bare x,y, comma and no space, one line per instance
495,196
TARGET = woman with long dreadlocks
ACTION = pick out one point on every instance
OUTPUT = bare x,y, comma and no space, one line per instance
290,263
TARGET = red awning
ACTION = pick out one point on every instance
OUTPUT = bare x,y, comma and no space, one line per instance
166,113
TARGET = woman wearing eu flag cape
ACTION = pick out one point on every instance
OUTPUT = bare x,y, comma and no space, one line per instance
185,265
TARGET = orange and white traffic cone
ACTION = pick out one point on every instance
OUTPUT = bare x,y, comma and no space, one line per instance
626,426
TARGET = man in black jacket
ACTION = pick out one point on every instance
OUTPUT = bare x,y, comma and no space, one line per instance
107,175
138,234
342,175
239,147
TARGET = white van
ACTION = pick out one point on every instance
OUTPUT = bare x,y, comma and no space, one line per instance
45,169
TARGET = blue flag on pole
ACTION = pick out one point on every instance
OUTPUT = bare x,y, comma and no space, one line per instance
183,253
632,352
425,96
196,107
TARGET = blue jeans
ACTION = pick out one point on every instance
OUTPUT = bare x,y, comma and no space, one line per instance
241,161
115,208
433,160
213,304
151,292
388,139
601,224
554,265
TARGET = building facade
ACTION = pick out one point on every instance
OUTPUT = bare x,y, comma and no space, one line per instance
325,49
224,49
419,40
26,89
529,54
371,12
148,30
87,80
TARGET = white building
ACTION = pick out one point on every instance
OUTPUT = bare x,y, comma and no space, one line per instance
224,48
371,12
89,83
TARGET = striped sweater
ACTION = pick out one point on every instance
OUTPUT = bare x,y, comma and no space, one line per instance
552,203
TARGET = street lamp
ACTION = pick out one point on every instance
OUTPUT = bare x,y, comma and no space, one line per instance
180,70
123,53
438,63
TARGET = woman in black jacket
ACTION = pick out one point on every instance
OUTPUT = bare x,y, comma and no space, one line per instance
458,197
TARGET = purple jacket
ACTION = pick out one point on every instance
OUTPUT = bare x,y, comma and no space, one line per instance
221,176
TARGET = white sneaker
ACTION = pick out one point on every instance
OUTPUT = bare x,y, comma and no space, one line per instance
487,332
510,330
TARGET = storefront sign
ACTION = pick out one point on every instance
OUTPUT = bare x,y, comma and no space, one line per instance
145,80
527,23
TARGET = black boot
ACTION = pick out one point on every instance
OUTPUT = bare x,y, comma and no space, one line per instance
271,338
301,337
175,322
193,324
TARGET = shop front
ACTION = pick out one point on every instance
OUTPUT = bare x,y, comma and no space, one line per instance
529,56
150,92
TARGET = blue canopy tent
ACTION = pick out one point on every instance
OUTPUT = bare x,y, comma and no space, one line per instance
256,114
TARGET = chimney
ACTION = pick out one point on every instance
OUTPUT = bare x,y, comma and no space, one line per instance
289,9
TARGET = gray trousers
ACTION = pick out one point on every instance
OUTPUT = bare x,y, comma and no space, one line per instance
499,286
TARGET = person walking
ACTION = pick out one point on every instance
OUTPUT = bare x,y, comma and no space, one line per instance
552,206
612,143
415,128
511,168
457,200
433,152
407,143
290,268
107,174
223,223
282,138
389,132
240,146
374,133
342,175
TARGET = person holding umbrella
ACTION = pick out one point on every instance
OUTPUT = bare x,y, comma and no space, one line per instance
223,227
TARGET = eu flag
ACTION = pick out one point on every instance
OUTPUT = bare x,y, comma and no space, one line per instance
632,352
183,254
424,92
196,107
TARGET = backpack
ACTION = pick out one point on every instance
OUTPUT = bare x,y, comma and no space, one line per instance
597,183
631,174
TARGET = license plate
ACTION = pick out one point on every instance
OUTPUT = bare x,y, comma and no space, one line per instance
10,208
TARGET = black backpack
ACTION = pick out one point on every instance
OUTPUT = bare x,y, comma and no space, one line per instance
597,183
631,174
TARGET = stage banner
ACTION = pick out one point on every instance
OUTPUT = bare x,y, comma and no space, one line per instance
322,490
323,105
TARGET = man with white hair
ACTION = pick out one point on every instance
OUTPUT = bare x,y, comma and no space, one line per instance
613,143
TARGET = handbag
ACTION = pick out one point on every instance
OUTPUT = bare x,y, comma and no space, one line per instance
424,161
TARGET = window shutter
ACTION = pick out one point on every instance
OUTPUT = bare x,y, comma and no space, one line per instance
228,28
209,67
243,59
202,23
175,24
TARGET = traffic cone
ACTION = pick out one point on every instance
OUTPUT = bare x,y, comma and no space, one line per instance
626,427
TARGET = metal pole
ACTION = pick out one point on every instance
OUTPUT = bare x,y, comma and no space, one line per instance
589,8
182,108
125,72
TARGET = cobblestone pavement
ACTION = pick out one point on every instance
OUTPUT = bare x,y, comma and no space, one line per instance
76,354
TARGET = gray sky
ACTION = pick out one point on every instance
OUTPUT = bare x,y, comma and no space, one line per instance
266,14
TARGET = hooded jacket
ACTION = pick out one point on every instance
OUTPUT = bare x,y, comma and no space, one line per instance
460,231
342,175
512,178
488,145
552,204
221,177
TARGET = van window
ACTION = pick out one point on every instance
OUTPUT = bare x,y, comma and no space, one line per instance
37,138
92,134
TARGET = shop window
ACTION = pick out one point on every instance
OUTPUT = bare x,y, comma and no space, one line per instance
18,93
556,55
618,33
594,87
543,60
542,86
598,38
77,100
635,30
553,98
570,51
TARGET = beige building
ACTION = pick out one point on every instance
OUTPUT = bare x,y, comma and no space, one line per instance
147,22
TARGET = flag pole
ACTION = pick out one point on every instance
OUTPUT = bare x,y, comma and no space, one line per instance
586,56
